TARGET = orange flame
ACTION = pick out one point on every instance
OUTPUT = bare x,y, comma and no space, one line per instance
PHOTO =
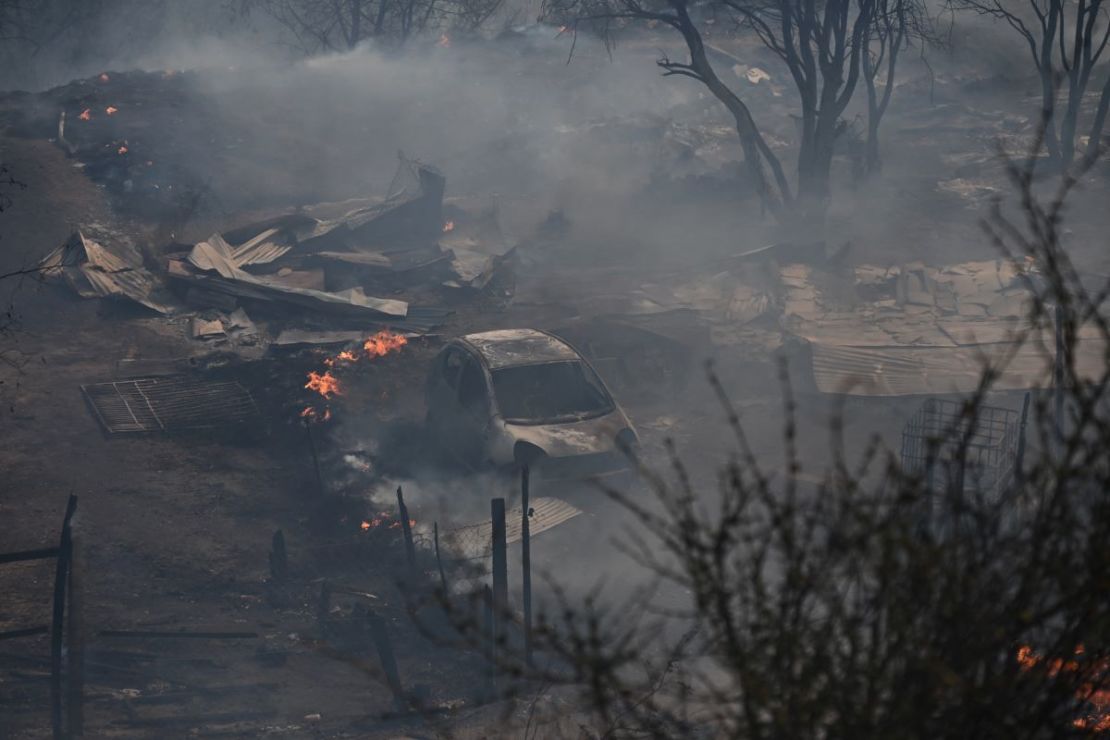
383,343
449,226
104,77
111,110
1094,692
86,115
444,41
327,385
122,150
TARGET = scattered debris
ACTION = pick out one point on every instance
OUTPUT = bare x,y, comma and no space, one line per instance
93,271
916,329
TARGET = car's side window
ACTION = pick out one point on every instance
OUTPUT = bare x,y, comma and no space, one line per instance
472,386
452,366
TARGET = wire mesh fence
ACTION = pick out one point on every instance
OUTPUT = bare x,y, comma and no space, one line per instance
952,450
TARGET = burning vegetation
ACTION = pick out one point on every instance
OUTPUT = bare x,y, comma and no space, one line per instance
328,385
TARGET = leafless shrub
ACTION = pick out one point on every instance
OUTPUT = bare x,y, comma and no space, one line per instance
877,603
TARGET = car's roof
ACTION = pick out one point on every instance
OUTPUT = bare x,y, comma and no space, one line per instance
509,347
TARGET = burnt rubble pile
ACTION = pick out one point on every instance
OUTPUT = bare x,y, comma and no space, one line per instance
315,276
121,128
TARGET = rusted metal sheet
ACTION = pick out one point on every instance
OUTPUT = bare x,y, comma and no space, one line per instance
169,404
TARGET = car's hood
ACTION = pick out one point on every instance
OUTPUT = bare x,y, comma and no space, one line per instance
573,438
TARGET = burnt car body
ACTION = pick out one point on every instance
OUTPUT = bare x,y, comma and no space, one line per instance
514,396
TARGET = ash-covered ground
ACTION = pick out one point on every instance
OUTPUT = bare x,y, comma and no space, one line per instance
628,217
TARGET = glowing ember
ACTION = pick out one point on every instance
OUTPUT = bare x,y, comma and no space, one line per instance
327,385
365,526
1093,692
444,41
104,77
111,110
310,414
86,115
383,343
449,226
122,150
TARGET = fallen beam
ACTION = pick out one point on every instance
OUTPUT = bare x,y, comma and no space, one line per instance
40,554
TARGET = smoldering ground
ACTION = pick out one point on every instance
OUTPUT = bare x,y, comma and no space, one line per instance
614,181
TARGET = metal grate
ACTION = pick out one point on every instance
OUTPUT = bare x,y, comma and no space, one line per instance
991,448
169,404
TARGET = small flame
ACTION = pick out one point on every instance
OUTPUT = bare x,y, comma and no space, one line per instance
86,115
122,150
383,343
444,41
111,110
449,226
563,29
104,77
326,384
365,526
344,356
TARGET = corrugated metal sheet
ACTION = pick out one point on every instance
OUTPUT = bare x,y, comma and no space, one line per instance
902,371
262,249
475,541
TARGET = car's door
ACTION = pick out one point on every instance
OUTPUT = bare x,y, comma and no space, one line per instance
442,392
473,419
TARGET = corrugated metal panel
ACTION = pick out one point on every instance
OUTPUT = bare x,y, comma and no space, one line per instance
903,371
475,541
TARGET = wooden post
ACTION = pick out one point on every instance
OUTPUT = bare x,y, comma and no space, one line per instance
279,558
380,635
406,529
526,562
490,643
61,573
75,638
500,568
439,560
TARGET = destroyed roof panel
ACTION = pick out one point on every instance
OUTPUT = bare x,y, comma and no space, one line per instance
508,347
905,371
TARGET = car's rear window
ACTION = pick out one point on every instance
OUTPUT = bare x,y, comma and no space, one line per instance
551,391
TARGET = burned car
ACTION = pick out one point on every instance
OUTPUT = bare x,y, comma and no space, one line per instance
508,397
